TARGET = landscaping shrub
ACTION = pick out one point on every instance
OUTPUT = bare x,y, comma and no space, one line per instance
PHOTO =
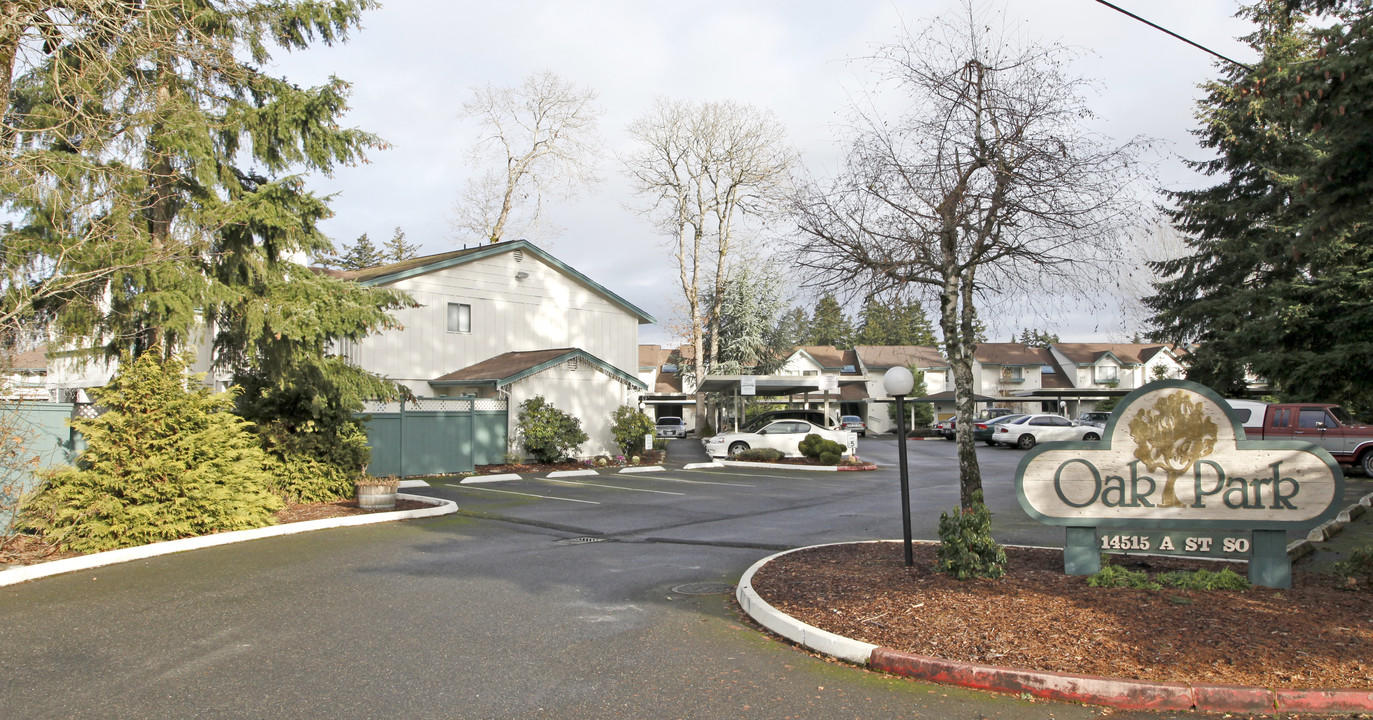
826,451
1114,576
1226,579
966,548
759,455
166,460
1358,568
549,434
629,426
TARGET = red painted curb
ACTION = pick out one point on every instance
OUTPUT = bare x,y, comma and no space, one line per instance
1234,698
1124,694
1350,701
1120,693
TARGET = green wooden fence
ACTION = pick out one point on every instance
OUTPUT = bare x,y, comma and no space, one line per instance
38,432
435,436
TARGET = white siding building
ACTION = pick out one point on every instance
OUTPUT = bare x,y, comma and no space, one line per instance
509,321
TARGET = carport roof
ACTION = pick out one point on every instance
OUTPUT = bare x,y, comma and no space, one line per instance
772,385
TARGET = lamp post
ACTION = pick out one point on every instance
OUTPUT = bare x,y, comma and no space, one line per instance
898,383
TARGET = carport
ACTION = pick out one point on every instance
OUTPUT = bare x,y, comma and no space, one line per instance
1062,398
728,392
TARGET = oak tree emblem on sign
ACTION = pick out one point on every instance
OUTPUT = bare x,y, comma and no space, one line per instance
1170,437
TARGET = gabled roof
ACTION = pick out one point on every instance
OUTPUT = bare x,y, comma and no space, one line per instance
394,272
512,367
35,360
1124,353
883,357
653,357
829,357
1058,379
1011,354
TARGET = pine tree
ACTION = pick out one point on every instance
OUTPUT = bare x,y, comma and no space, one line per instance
398,250
751,338
163,462
1276,282
829,325
361,254
204,201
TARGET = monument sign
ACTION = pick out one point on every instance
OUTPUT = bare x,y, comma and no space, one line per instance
1173,473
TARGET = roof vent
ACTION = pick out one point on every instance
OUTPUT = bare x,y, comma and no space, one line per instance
519,255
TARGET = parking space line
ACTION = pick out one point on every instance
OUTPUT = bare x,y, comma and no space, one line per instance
512,492
613,487
801,475
662,478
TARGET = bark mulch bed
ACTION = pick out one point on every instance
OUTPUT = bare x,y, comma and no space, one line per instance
649,457
29,550
1315,635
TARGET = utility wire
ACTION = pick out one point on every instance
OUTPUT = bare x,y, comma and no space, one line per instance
1170,32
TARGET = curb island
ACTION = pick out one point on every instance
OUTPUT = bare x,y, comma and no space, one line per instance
1104,691
25,573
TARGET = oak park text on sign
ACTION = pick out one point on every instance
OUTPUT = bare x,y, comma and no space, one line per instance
1174,456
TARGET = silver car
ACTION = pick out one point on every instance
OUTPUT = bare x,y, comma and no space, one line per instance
670,427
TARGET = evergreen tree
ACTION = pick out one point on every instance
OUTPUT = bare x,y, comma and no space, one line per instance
398,250
794,327
1276,281
363,253
163,462
1037,338
203,191
751,338
829,325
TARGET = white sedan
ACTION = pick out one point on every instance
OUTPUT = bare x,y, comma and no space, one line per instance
782,435
1027,431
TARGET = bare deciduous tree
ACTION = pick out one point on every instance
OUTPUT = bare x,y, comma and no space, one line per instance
988,186
535,137
704,168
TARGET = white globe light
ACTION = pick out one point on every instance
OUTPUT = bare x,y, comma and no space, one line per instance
898,381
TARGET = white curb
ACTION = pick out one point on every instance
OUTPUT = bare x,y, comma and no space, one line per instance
413,484
571,473
643,469
478,479
808,636
699,466
110,557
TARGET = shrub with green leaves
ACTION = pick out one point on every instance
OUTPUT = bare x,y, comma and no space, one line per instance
1114,576
547,433
826,451
759,455
629,426
166,460
966,548
1357,568
1226,579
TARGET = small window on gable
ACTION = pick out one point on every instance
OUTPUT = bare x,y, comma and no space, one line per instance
1107,373
459,318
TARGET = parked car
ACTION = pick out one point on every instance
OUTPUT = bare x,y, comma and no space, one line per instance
1030,430
782,435
1097,418
815,417
950,429
670,427
853,423
983,429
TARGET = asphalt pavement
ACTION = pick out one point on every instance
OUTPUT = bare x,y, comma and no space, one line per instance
602,596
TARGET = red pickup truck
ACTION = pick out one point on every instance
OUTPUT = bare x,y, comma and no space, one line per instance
1323,424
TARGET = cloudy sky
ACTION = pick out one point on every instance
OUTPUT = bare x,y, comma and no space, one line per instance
416,62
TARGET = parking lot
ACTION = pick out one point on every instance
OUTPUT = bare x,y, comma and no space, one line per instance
752,507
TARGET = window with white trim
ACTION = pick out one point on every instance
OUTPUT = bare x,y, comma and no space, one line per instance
1107,373
459,318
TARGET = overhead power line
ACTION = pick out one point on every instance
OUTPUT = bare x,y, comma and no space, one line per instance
1170,32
